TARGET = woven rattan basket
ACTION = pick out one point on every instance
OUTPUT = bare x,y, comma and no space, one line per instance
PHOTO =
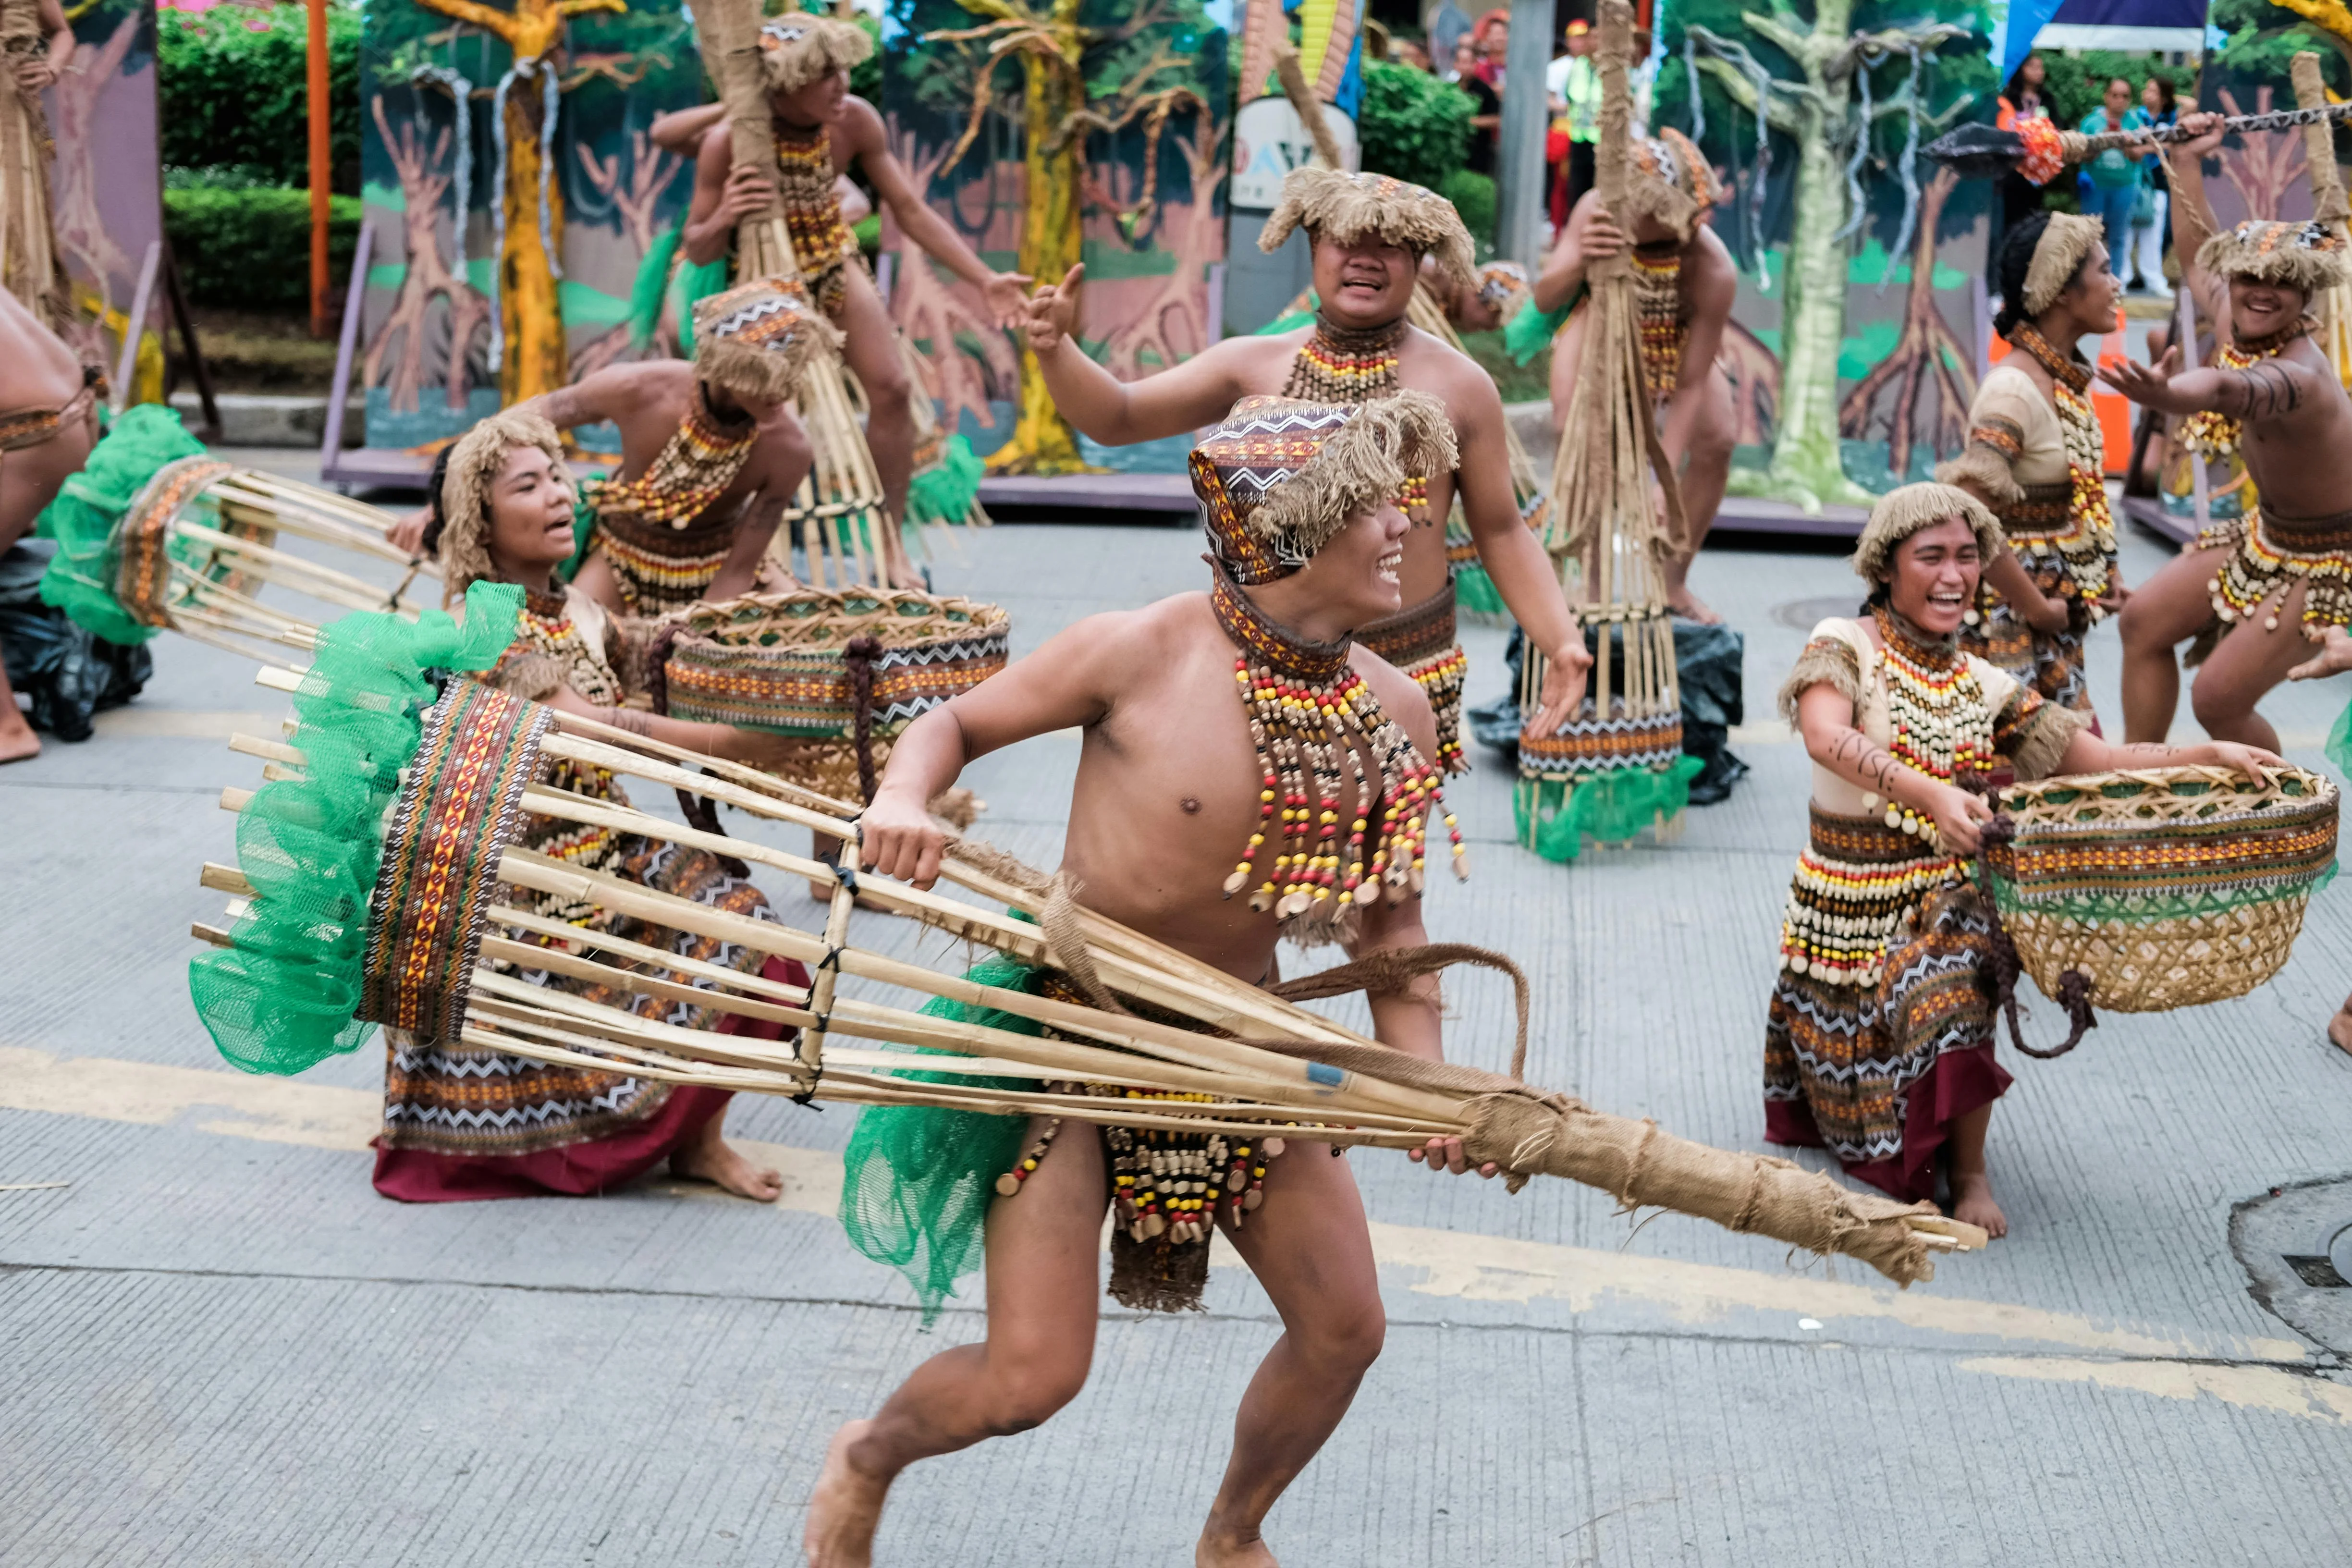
789,663
2164,887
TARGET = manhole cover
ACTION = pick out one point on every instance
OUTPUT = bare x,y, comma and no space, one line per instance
1805,615
2295,1244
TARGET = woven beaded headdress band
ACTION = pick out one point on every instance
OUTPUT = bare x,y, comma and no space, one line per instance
758,338
796,50
464,502
1673,182
1909,510
2304,256
2057,256
1346,210
1280,476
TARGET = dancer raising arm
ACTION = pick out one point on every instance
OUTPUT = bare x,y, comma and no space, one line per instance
1878,1044
1369,234
1187,749
2252,589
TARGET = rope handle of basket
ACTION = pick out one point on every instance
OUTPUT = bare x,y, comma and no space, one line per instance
2007,967
700,812
1390,970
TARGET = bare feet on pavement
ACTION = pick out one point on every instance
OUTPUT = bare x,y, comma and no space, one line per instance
845,1509
18,743
2339,1029
1972,1203
1214,1551
1691,608
711,1158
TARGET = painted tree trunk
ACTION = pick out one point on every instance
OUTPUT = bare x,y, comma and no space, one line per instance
530,309
1041,442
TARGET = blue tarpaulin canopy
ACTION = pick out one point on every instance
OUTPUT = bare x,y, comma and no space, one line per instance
2168,26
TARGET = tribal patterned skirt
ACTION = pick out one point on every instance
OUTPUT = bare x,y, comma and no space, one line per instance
1879,1034
2048,662
1419,640
658,568
2269,555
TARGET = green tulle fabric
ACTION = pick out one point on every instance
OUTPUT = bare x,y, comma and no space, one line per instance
1555,819
281,997
2158,907
82,518
583,530
2340,741
916,1181
652,286
944,491
1528,330
696,280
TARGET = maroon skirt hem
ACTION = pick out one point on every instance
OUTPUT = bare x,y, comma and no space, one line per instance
1956,1082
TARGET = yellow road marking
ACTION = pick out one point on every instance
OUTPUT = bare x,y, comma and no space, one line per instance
1458,1265
2248,1387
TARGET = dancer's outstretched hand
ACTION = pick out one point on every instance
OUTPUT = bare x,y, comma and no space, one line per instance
1053,311
1443,1155
1008,298
408,533
899,838
1569,667
2148,384
2334,658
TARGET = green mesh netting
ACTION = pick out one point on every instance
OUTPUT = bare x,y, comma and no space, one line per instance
2151,908
2340,741
81,576
916,1181
281,997
1613,809
1475,593
584,529
696,280
944,491
1528,330
651,286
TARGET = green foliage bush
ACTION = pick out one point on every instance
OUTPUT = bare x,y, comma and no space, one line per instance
249,249
2077,84
1414,127
233,89
1473,196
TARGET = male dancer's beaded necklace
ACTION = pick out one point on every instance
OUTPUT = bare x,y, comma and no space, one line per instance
1311,714
2214,436
692,469
1936,710
804,187
2088,549
1339,365
1658,309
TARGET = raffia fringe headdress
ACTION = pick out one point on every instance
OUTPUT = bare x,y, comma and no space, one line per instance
1280,476
796,50
2304,256
758,338
1902,512
2057,257
1345,208
465,497
1672,183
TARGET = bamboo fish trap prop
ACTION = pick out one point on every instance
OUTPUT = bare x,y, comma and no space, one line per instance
329,936
201,539
845,670
838,513
2153,889
1617,766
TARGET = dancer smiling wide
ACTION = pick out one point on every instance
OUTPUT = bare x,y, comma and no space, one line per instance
1180,770
462,1122
1878,1044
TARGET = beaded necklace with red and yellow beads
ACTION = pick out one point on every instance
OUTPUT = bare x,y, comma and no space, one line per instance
1936,708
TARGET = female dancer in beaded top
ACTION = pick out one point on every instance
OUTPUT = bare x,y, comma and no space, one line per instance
2034,457
1685,281
1298,502
462,1122
1878,1043
824,130
2255,588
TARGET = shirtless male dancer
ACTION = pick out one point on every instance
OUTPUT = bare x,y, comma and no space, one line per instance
1369,234
1299,500
709,455
1683,282
49,422
822,130
2273,580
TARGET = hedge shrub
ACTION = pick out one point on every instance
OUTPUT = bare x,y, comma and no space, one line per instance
232,85
250,249
1412,125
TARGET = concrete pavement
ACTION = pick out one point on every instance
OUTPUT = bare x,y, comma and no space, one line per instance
218,1346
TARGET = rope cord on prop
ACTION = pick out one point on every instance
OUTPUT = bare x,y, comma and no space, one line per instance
701,813
2007,967
1390,970
859,655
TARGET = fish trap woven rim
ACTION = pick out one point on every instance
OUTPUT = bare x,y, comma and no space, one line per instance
819,617
2185,962
2152,795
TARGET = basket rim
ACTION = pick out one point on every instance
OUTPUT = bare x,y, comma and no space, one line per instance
2026,795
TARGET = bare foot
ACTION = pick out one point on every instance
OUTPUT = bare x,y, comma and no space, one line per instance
712,1159
845,1509
2339,1029
1219,1552
1972,1203
18,743
1691,608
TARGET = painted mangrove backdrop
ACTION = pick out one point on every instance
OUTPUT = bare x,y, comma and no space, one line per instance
107,182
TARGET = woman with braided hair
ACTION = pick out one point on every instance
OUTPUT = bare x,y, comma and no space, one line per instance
1878,1044
461,1123
2035,457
